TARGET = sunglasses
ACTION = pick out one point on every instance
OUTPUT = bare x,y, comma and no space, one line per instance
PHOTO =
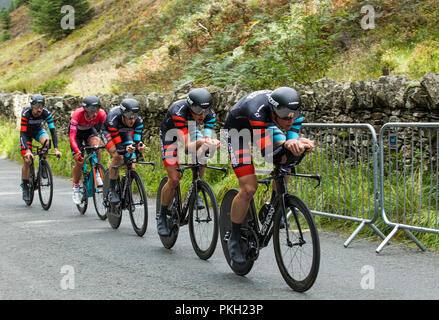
92,109
37,105
285,113
129,115
198,110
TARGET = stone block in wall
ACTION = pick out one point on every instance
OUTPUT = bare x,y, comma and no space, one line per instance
430,82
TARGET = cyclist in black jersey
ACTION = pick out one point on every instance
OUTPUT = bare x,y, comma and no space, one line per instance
182,121
264,115
121,129
32,128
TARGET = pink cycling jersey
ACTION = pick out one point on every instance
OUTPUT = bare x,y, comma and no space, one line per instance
78,122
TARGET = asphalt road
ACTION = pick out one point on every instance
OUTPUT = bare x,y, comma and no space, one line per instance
60,254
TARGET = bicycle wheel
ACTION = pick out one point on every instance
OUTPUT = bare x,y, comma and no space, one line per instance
138,206
82,207
114,212
203,223
298,258
98,192
45,184
31,184
172,218
225,229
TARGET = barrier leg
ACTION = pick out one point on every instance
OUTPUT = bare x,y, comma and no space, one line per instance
391,234
418,243
354,234
377,231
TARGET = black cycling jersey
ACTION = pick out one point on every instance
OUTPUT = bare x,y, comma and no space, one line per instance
115,132
31,126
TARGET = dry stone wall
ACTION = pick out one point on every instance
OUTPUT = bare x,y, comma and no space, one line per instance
377,101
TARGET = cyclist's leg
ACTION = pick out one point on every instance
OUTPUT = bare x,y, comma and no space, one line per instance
94,140
25,150
25,169
81,137
116,159
43,137
242,165
77,167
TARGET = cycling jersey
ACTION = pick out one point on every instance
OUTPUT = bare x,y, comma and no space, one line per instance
178,117
116,133
81,130
253,112
33,128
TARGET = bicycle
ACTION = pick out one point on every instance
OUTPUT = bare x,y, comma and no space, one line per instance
200,223
294,232
92,185
127,191
43,180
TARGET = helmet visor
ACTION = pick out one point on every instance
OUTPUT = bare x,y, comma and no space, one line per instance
198,109
285,113
129,114
92,108
37,104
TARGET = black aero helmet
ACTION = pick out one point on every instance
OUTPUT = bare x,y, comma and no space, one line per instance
91,103
199,100
284,100
37,101
129,107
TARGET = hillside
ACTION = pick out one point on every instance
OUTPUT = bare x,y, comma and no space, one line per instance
154,45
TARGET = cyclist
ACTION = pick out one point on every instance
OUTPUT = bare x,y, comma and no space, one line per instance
185,116
122,128
32,127
266,115
85,124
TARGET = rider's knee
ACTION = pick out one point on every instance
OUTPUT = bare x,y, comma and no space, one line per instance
248,191
174,180
118,158
26,161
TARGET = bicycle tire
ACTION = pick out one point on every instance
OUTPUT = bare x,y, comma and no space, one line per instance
208,221
287,268
98,192
169,241
225,228
44,165
114,212
140,229
82,207
31,184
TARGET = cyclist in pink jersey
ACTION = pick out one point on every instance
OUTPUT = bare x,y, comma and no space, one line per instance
85,125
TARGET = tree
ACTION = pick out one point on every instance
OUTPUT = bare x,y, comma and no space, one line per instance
5,19
50,16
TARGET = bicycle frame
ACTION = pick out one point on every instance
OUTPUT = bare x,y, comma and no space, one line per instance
277,203
126,178
41,152
92,158
183,209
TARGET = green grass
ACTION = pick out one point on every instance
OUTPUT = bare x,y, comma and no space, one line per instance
354,199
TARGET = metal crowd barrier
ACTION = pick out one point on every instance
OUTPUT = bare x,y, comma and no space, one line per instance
409,178
346,156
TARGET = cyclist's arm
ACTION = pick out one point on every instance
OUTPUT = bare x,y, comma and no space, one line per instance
209,123
51,125
72,135
23,128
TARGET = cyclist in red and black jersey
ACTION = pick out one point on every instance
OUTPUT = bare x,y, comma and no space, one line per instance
122,129
183,120
85,125
264,115
32,127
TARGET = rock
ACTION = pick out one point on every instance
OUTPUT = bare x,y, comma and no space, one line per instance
430,82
